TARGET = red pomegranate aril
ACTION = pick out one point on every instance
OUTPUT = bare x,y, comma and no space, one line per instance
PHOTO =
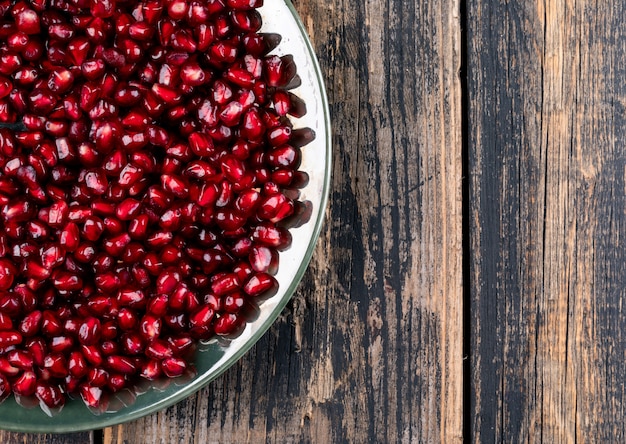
159,349
92,396
51,325
141,31
93,69
259,284
222,53
34,50
231,113
5,322
128,209
60,81
103,8
201,144
77,366
107,282
127,319
41,101
27,21
56,364
23,77
97,30
279,135
202,317
31,323
121,364
109,348
191,74
253,126
227,283
25,384
115,245
263,259
70,237
150,370
244,4
166,94
89,331
5,87
97,376
66,281
8,369
89,95
130,175
7,274
173,367
133,343
135,120
234,302
50,395
150,327
249,21
18,360
61,31
174,185
92,355
131,298
227,324
5,387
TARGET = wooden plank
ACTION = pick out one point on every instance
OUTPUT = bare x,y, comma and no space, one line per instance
370,349
46,438
547,188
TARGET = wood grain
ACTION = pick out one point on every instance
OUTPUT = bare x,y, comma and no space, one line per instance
546,131
46,438
370,349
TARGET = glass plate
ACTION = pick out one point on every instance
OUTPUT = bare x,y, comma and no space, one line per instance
279,17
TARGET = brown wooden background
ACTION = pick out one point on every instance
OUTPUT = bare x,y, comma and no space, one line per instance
470,279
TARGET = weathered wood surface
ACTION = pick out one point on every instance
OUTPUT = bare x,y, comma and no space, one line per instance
370,350
547,191
47,438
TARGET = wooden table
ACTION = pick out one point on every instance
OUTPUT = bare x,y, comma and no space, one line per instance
470,279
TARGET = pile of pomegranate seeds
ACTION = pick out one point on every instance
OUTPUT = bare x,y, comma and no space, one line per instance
145,158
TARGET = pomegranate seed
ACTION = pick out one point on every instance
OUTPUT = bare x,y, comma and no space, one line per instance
31,323
259,284
173,367
244,4
227,324
121,364
7,369
21,359
97,376
49,395
140,31
61,31
25,385
150,327
92,396
89,331
57,365
7,274
102,8
151,370
27,21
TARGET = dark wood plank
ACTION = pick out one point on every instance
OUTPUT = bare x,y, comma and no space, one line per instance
46,438
546,130
370,349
